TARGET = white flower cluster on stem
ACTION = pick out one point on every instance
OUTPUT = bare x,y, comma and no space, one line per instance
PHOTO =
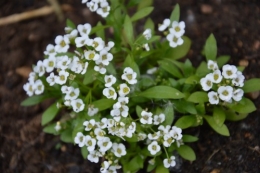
100,6
228,82
175,31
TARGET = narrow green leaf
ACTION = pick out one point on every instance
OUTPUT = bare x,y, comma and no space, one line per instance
84,152
98,28
193,79
149,24
251,85
128,30
142,13
49,114
66,136
90,76
219,115
132,3
161,169
144,4
198,97
233,116
211,48
223,130
50,129
103,104
202,70
245,106
70,24
162,92
135,164
188,68
222,60
184,106
101,32
186,152
169,114
189,138
130,62
185,122
138,111
175,16
170,68
30,101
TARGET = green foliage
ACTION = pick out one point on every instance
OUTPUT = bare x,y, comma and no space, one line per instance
128,30
186,152
198,97
251,85
162,92
175,16
221,129
211,48
141,13
185,121
34,100
49,114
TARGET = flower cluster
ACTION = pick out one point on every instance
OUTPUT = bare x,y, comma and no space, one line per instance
147,35
226,84
175,31
100,6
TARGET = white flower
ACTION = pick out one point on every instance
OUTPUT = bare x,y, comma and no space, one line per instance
50,50
63,62
81,41
176,132
104,9
92,110
118,149
141,136
173,40
225,92
104,144
212,65
152,70
238,94
101,68
239,79
229,71
94,156
146,47
62,43
177,28
158,119
109,45
102,124
168,140
72,94
99,133
77,105
72,34
90,143
49,63
129,75
38,87
104,166
154,136
123,90
169,162
89,124
166,23
110,93
93,6
78,66
146,117
91,55
62,78
80,139
216,76
213,98
109,80
165,129
147,34
32,77
39,68
105,57
154,148
84,30
206,82
96,43
29,88
57,126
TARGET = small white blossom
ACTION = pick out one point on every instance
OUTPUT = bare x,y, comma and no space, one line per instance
72,34
32,77
99,133
123,90
152,70
101,68
91,55
177,28
105,57
118,149
169,162
174,41
229,71
147,34
213,98
81,41
110,93
84,30
146,117
206,82
104,144
78,66
141,136
129,75
225,92
93,156
238,94
90,143
63,62
72,94
80,139
50,50
168,140
212,65
158,119
176,132
57,126
77,105
154,148
154,136
104,167
146,47
39,68
109,45
104,9
93,6
62,43
92,110
102,124
216,76
29,88
166,23
62,78
38,87
49,64
109,80
89,124
239,79
96,43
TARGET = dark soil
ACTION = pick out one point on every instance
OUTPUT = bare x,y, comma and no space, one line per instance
24,148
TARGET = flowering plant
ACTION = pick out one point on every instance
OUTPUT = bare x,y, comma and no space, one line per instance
125,97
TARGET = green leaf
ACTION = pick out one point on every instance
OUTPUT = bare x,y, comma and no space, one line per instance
244,106
251,85
138,111
211,48
222,60
198,97
111,69
33,100
135,164
50,129
175,15
185,122
202,70
162,92
66,136
142,13
149,24
49,114
103,104
169,114
170,68
188,68
150,167
130,62
161,169
101,32
84,152
180,51
128,30
219,115
223,130
144,4
98,28
70,24
184,106
133,3
233,116
193,79
90,76
189,138
186,152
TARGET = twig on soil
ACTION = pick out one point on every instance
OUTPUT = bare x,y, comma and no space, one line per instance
256,148
57,8
31,14
214,152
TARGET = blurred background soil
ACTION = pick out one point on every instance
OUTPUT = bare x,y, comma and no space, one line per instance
24,148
